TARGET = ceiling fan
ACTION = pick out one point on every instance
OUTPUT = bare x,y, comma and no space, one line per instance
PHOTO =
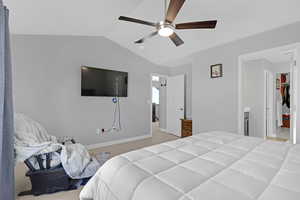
166,28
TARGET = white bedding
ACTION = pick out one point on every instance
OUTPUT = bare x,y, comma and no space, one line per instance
208,166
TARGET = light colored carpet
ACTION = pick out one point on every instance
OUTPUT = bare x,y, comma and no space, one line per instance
23,183
283,133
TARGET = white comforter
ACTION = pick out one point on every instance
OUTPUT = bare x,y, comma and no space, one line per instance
208,166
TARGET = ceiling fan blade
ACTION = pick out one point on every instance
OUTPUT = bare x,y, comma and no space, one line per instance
129,19
176,39
198,25
147,37
173,10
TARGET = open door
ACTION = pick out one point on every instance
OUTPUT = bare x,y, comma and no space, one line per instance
175,104
269,103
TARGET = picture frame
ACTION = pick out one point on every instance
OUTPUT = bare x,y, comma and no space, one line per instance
216,71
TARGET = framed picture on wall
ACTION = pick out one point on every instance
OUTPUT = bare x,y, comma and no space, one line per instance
216,71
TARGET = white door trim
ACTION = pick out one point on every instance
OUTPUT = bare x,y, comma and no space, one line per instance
293,95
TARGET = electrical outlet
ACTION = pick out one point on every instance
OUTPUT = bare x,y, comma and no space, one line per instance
105,130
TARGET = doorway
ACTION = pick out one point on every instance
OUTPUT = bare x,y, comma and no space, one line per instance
158,102
267,91
167,104
277,106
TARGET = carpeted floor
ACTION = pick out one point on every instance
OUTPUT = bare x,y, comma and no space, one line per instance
23,183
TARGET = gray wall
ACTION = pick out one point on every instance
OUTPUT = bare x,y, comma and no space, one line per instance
187,70
215,101
47,86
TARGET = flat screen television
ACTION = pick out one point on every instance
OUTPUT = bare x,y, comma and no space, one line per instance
103,82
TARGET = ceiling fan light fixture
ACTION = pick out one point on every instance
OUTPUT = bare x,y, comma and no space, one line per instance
165,30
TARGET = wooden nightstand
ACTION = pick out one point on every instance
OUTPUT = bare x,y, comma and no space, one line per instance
186,127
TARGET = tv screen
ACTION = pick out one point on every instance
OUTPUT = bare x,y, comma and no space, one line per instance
103,82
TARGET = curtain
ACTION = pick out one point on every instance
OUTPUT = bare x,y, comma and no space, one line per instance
7,190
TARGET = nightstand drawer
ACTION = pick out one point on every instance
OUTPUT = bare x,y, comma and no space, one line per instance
186,133
186,128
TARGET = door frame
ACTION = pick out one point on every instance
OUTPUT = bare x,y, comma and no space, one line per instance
150,100
291,48
294,76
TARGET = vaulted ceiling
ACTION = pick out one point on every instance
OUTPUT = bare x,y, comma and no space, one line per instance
236,19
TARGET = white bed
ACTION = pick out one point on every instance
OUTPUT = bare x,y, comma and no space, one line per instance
207,166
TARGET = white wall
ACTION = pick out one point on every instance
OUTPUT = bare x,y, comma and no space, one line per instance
47,86
215,101
282,67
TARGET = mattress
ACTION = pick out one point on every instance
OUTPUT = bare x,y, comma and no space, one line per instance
207,166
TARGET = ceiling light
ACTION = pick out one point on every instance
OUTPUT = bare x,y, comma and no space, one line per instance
165,31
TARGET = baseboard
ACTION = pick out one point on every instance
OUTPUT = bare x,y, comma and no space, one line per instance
104,144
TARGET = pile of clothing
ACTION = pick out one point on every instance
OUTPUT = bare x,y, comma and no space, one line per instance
32,139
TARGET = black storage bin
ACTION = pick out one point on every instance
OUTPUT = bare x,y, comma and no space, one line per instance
49,181
46,180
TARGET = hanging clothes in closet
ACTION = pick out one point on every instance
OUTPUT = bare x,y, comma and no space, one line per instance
285,92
